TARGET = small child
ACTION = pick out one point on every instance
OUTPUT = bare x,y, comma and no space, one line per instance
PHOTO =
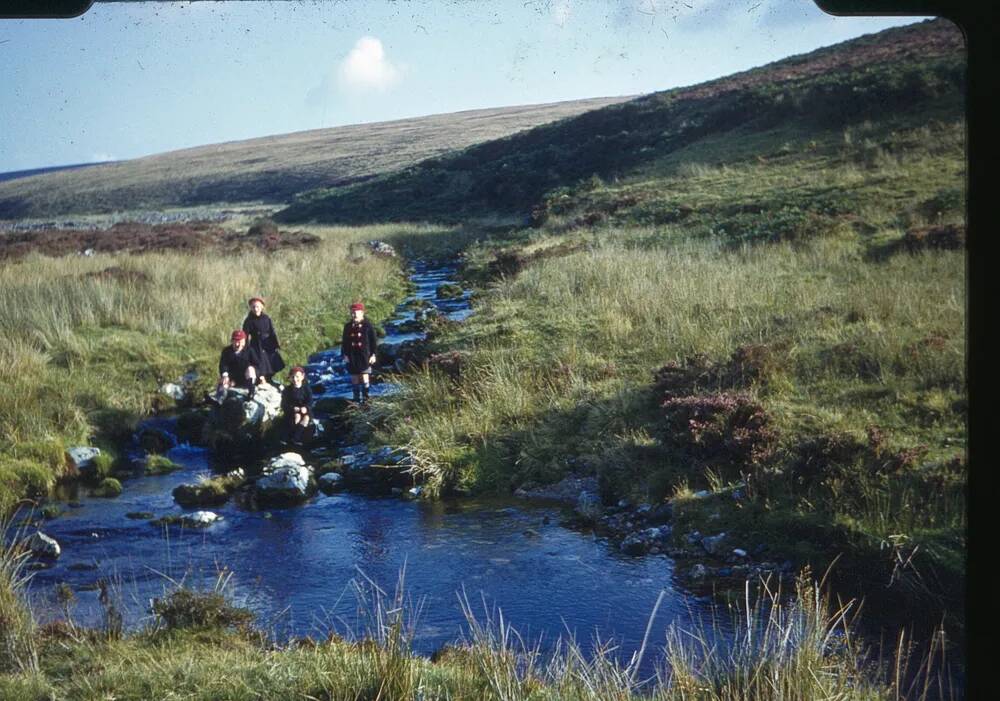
357,346
237,365
262,338
296,404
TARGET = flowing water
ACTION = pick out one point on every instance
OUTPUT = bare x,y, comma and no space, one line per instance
297,568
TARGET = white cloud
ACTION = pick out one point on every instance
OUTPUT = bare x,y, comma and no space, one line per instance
367,68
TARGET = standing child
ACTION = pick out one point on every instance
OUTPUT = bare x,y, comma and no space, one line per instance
262,339
358,348
296,404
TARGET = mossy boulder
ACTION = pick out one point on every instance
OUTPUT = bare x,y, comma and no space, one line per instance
211,492
449,290
159,465
108,488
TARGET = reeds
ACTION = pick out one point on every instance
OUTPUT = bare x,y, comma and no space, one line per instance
18,651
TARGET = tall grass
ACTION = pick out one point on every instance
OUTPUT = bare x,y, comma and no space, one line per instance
18,651
558,378
590,326
80,354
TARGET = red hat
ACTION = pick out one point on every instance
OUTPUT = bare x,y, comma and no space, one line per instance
239,335
297,368
356,306
255,299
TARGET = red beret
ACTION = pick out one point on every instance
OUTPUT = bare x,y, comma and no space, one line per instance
297,368
356,306
239,334
254,299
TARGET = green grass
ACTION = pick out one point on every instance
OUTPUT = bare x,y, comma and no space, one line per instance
82,358
777,279
160,465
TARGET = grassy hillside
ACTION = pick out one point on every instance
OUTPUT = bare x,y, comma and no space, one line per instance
774,308
269,169
910,73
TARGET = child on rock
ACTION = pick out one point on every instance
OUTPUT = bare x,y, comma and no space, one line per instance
357,346
237,365
262,339
296,404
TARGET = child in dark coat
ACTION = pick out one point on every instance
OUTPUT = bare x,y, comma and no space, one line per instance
296,404
357,346
262,338
237,365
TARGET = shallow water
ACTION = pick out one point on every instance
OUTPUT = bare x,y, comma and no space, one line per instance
296,568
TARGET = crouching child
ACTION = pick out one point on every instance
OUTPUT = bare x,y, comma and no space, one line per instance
237,366
296,404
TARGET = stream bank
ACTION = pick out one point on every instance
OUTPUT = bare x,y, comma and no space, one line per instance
294,566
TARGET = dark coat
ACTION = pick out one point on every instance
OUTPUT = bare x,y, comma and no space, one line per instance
263,339
236,364
357,345
293,396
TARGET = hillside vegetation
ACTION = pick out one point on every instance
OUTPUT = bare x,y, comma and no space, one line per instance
775,310
270,169
910,73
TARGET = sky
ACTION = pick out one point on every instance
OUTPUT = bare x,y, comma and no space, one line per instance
129,79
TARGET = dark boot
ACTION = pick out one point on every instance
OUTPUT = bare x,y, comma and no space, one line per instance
365,391
356,389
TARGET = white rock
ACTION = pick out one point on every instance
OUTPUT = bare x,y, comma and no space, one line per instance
415,491
82,457
265,405
201,518
289,483
698,571
739,552
285,460
175,392
382,248
41,544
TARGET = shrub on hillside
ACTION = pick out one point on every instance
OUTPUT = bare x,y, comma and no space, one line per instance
263,228
948,237
727,428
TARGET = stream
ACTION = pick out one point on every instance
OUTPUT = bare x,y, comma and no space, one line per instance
296,568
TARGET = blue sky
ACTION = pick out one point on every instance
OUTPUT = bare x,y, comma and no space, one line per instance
133,79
